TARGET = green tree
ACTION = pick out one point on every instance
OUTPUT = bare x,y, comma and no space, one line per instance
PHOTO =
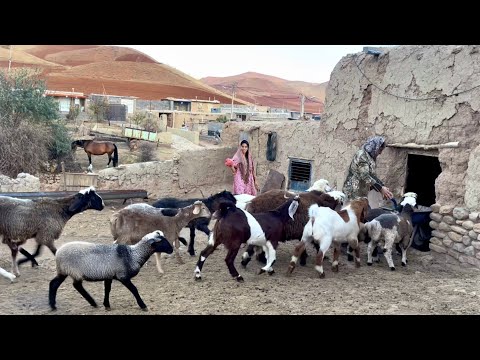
30,132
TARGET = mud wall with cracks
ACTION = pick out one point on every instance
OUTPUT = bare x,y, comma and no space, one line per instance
408,95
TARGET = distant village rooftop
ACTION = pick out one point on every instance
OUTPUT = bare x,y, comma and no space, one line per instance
116,96
192,100
70,94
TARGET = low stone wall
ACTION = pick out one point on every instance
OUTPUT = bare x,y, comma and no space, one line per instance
456,233
192,136
23,183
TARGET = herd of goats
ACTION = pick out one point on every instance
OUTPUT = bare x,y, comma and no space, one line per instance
318,216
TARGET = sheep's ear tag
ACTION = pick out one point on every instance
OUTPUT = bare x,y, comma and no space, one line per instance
292,208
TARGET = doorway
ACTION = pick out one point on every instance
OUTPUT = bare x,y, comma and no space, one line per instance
421,174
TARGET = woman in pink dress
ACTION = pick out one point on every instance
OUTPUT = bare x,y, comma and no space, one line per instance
243,169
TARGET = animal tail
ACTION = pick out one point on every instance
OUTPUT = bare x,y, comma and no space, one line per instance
312,210
115,156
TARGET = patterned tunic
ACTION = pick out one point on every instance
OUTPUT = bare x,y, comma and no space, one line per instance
361,176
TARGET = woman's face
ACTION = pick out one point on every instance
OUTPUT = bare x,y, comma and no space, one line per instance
244,148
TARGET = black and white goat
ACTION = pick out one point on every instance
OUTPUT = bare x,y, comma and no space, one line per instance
236,226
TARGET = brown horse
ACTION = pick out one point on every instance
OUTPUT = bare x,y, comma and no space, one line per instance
93,147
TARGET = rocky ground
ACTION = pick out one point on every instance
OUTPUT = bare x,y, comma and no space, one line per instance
426,286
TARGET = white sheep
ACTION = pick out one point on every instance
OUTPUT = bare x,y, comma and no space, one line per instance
105,262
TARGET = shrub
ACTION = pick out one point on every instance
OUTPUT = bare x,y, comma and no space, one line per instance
147,151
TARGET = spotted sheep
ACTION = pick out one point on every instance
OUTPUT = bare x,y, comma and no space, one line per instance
326,226
42,219
236,226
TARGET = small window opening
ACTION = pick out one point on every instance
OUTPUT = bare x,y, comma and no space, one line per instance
299,174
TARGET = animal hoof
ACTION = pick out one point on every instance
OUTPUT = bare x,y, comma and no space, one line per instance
321,275
271,272
144,309
94,305
54,308
107,308
350,257
192,253
261,257
240,278
404,264
335,268
369,263
198,277
261,271
244,263
392,268
357,264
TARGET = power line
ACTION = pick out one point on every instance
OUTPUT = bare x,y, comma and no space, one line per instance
405,97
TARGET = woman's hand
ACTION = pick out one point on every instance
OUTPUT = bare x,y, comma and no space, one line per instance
387,194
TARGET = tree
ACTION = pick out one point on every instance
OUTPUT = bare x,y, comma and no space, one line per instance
99,107
30,132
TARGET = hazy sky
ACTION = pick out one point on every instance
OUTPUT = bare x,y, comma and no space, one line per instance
311,63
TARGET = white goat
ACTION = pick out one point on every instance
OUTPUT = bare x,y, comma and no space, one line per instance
326,226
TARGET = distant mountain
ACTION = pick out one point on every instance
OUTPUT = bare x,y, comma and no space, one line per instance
113,69
272,91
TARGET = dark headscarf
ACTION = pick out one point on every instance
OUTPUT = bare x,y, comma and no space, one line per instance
373,144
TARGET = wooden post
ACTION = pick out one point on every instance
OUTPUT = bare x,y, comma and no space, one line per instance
64,176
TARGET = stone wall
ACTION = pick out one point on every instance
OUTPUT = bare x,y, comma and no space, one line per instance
190,174
23,183
456,233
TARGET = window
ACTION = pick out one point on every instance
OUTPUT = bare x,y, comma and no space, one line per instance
299,174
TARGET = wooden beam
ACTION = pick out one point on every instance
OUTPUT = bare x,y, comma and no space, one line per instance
454,144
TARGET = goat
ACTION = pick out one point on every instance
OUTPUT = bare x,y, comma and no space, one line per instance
236,226
6,274
294,228
105,262
129,225
326,226
198,223
42,219
391,229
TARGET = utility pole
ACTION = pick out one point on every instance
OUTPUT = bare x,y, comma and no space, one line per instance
302,105
234,85
10,59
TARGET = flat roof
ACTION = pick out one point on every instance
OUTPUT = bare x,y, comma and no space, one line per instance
71,94
192,100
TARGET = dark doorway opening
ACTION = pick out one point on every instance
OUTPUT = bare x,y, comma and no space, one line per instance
421,174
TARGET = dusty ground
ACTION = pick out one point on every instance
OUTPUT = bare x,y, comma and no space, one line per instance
418,289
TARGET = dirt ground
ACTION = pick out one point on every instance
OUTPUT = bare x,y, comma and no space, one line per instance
424,287
125,156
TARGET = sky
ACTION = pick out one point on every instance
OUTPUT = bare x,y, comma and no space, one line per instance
310,63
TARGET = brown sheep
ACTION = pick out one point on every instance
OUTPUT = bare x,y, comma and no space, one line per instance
129,225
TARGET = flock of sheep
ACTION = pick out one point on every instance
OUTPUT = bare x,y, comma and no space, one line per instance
319,216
